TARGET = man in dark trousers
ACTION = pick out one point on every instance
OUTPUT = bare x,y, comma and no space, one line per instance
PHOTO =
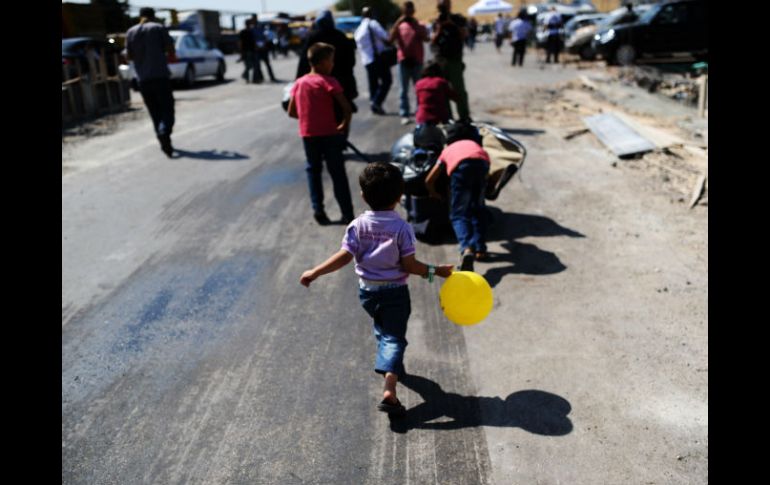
263,51
147,44
553,44
371,38
248,50
449,33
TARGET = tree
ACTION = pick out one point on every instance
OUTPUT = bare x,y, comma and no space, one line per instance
385,10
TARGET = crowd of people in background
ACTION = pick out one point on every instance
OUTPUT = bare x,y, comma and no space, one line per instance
379,50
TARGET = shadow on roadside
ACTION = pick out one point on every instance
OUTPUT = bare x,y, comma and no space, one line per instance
212,155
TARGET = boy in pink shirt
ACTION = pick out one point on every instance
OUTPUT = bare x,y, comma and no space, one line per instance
312,102
467,165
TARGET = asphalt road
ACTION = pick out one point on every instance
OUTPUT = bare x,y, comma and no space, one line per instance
191,354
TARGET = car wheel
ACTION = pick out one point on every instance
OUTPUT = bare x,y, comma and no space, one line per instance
189,76
587,53
625,55
221,71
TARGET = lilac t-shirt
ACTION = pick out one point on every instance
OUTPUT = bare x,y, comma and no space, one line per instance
378,240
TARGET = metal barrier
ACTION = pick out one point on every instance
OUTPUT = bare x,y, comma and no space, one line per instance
95,92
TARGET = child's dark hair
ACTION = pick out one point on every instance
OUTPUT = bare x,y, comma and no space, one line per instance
432,69
462,130
382,185
319,52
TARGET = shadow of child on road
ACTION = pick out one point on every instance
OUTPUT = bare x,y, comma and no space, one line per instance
538,412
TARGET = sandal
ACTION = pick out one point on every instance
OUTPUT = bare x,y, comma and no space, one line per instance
397,409
466,263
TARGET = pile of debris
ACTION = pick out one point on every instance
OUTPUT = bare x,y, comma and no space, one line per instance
680,86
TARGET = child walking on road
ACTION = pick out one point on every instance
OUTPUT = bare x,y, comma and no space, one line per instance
383,246
467,165
312,102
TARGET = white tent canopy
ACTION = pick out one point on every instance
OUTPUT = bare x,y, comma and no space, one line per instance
489,6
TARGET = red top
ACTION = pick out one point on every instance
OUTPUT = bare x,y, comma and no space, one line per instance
459,151
313,96
432,100
409,42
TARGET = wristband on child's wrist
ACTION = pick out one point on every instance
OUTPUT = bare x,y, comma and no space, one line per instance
430,273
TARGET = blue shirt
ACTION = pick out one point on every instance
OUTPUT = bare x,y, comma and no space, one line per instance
520,29
554,23
259,36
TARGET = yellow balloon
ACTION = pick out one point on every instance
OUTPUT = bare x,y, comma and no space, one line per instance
466,298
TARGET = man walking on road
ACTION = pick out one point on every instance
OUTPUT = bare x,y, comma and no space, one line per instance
263,51
408,35
519,32
248,50
499,31
371,38
553,44
447,45
147,44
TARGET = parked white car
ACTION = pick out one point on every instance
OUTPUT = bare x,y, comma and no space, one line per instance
194,59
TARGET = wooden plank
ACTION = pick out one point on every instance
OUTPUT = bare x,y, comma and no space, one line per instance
587,82
66,85
697,151
103,78
119,83
83,89
702,95
659,137
92,106
572,134
698,190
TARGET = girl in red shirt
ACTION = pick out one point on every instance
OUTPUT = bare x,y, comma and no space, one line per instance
433,95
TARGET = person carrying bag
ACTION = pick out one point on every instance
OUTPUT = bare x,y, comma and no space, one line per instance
376,61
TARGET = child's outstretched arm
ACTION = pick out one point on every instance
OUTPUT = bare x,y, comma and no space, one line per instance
337,261
413,266
431,178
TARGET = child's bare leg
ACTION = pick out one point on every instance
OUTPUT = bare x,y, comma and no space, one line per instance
389,393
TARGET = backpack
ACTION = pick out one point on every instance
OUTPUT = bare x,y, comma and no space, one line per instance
449,42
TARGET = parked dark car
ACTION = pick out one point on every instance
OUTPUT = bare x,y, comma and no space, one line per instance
675,30
579,42
73,53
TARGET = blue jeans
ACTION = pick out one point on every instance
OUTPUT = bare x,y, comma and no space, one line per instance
378,75
405,74
466,204
159,100
389,308
329,148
